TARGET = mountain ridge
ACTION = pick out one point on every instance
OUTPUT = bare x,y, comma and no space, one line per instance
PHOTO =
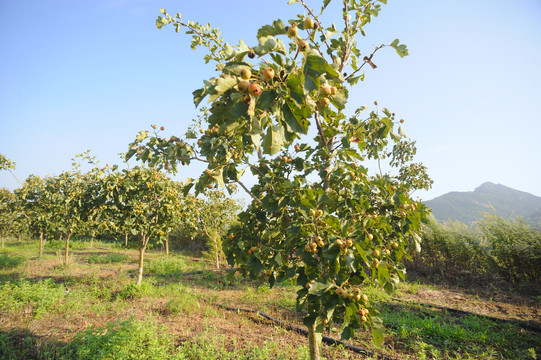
469,206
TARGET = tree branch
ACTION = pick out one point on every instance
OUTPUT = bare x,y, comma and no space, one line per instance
250,193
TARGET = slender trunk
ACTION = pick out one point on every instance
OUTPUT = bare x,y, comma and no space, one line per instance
314,340
68,235
142,246
92,242
167,245
126,240
1,237
41,244
20,237
216,252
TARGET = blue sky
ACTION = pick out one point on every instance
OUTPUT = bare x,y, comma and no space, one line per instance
78,75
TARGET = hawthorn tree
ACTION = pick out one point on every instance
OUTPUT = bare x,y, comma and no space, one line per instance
320,213
38,207
149,201
7,215
67,191
212,216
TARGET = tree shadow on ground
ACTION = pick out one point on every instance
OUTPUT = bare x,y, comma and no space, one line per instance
21,344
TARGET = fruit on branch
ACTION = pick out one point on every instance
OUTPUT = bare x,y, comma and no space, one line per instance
251,54
162,128
334,90
325,90
154,126
324,102
342,293
243,86
303,45
370,236
268,73
293,30
308,23
255,89
245,73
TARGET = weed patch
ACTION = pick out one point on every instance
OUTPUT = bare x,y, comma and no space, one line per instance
36,298
8,261
107,258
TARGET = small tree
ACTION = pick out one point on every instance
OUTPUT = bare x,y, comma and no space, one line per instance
319,214
149,202
66,192
7,214
214,216
37,207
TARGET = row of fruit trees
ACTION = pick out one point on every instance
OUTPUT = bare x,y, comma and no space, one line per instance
140,201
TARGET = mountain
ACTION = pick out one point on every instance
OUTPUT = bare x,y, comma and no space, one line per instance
468,207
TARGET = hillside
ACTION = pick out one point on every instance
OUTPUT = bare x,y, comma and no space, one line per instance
467,207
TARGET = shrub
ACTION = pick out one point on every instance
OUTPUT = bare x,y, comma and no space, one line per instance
450,250
514,247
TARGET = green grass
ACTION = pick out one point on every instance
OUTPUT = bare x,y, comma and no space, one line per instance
107,258
419,332
36,298
171,267
8,261
435,334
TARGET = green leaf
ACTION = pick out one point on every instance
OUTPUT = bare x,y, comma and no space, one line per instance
218,175
222,85
318,288
273,140
320,65
401,49
378,330
293,120
277,28
339,100
402,133
268,44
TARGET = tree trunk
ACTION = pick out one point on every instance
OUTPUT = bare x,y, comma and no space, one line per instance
314,340
126,240
142,247
2,238
68,235
167,245
20,237
92,242
216,252
41,244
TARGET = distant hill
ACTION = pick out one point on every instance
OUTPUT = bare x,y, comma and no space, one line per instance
467,207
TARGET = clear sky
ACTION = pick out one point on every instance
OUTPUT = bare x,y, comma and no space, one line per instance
90,74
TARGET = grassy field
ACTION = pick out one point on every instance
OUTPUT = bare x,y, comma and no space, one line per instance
91,309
